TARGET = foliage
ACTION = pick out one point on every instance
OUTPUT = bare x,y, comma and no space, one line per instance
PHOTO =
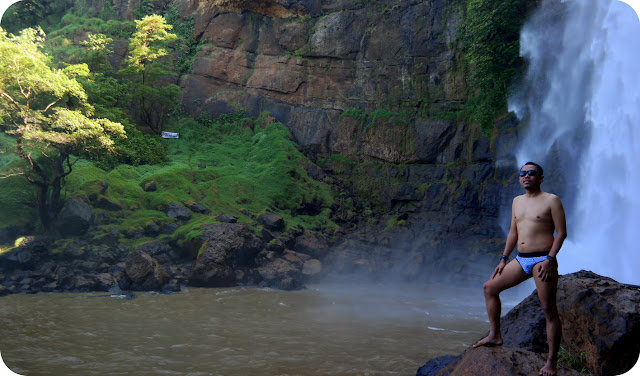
491,43
187,44
48,113
33,13
153,96
575,362
228,164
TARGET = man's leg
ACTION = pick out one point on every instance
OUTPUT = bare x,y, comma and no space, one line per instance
512,274
547,291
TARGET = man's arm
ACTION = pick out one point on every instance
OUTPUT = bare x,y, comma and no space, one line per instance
560,223
546,268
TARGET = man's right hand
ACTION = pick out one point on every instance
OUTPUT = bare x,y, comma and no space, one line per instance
499,268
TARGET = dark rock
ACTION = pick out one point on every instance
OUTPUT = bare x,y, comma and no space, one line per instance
432,367
178,211
227,218
280,274
310,207
311,243
600,317
160,251
145,272
106,282
312,267
152,229
76,217
150,186
50,287
271,221
224,248
107,204
499,361
169,228
196,208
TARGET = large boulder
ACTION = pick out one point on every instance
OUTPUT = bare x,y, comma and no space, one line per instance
312,243
271,221
282,274
600,317
498,361
600,320
145,272
225,248
178,212
76,216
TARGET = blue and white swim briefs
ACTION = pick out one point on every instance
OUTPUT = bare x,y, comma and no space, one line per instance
529,260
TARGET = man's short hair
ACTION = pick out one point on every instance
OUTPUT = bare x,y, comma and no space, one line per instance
537,166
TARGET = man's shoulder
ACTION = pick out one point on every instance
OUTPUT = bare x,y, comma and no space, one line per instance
551,196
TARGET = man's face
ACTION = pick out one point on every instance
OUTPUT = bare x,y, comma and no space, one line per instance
529,181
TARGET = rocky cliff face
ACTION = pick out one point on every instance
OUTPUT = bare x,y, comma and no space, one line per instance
376,83
307,61
338,74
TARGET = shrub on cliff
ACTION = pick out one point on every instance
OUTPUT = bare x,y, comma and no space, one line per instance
490,33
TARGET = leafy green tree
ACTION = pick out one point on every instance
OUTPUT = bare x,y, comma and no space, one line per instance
154,96
97,46
47,113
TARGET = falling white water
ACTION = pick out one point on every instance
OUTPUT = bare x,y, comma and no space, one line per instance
581,99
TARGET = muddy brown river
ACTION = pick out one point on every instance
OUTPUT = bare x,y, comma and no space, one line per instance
323,330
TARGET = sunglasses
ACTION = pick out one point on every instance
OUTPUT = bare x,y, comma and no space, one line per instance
530,173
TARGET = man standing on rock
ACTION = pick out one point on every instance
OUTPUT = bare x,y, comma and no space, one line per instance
535,216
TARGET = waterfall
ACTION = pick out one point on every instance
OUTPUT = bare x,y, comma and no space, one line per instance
580,105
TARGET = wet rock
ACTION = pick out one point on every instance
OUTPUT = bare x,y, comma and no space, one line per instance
312,267
178,211
432,367
271,221
280,274
76,217
106,282
224,248
145,272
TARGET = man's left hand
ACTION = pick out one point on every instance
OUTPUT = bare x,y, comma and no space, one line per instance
547,269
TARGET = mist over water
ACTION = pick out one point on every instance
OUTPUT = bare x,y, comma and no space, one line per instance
580,105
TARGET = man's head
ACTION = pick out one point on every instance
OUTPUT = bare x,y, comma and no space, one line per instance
531,176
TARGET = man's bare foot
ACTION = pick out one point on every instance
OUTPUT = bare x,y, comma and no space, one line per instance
549,369
490,340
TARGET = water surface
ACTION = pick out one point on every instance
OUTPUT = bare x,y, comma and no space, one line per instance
324,330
